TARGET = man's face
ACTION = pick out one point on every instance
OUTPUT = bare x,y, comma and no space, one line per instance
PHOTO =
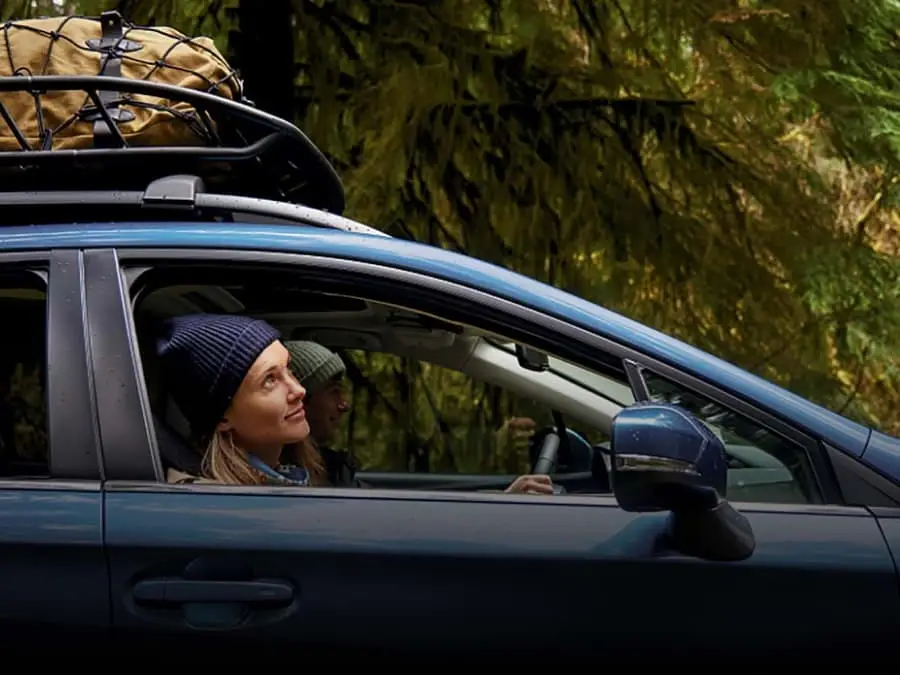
324,409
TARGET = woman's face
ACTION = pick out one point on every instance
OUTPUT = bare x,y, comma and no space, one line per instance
267,411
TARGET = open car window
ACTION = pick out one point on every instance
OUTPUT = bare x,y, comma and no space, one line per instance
431,395
346,323
411,415
762,465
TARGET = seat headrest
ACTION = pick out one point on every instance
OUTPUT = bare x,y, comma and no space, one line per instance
175,451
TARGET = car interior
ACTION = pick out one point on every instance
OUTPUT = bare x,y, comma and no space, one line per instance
587,399
576,398
23,439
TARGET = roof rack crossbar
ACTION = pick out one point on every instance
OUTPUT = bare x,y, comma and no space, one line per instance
26,200
281,152
179,192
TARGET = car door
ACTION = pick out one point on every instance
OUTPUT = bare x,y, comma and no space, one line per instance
53,582
347,572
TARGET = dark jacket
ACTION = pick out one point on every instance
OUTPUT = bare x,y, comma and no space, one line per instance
341,467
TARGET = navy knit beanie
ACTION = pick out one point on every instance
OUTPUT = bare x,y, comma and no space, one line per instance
204,360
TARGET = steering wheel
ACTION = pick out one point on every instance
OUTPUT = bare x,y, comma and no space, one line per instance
548,455
553,438
547,458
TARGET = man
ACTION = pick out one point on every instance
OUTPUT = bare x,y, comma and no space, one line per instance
321,372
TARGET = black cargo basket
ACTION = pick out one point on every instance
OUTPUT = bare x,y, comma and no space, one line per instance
246,152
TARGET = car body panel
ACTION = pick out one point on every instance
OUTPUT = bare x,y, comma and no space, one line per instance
837,430
438,572
416,570
889,521
882,453
51,556
54,587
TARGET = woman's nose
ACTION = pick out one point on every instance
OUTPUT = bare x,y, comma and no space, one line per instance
295,389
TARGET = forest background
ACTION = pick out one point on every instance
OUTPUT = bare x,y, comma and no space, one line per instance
727,171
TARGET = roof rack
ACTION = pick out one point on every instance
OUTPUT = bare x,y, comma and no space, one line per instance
181,197
250,152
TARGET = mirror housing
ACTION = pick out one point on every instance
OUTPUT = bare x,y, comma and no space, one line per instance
665,459
532,359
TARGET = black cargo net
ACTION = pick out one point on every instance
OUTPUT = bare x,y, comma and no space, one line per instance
107,109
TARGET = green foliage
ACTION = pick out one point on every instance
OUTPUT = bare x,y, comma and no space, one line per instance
632,152
723,170
25,398
411,416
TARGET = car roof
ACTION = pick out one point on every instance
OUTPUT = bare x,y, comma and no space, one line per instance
460,268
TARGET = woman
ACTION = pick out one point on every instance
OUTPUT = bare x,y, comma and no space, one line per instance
231,377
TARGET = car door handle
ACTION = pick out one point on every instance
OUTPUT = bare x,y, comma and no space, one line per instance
178,591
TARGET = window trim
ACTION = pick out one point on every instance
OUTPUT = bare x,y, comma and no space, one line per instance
637,381
861,484
500,315
127,441
50,485
820,464
68,396
71,394
134,264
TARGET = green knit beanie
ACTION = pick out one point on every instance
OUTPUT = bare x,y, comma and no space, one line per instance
313,364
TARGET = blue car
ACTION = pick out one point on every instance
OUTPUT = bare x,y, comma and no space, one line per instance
699,510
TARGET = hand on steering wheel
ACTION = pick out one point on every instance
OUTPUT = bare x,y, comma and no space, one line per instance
547,459
532,484
520,430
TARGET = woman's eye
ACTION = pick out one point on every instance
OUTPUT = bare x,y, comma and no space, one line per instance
269,381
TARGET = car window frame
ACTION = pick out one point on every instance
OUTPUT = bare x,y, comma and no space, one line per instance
820,463
814,472
133,263
500,315
73,438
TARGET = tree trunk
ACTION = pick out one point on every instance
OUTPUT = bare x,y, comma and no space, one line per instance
263,51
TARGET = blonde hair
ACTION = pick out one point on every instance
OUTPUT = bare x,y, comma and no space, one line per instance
224,462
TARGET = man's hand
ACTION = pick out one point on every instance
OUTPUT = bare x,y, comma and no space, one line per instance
538,484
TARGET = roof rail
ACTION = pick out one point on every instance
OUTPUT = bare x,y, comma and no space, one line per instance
179,197
249,152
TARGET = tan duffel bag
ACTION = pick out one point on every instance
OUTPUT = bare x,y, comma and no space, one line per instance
107,46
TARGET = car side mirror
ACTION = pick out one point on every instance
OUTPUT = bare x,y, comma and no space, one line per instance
665,459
